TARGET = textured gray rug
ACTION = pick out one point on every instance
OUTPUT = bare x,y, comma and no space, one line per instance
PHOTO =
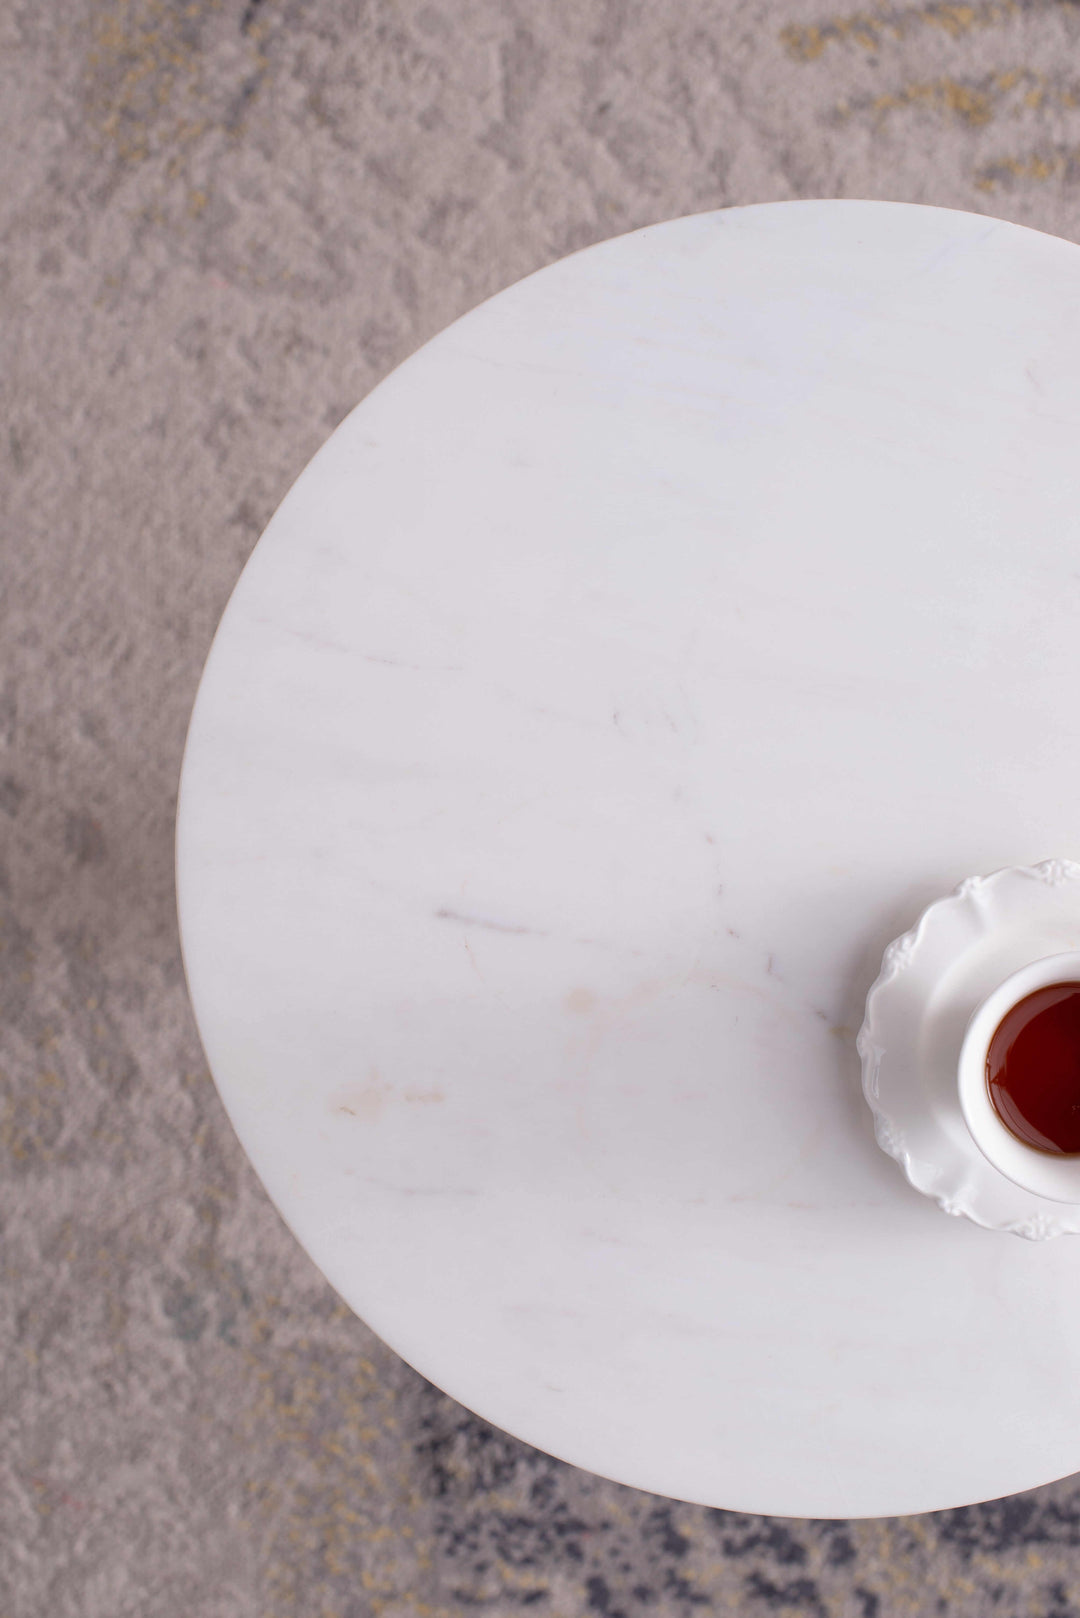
222,221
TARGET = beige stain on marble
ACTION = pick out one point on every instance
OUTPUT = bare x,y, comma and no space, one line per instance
368,1102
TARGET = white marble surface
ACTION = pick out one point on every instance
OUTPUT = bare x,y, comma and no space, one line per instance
625,672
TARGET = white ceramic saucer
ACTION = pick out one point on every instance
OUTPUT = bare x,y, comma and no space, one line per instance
931,981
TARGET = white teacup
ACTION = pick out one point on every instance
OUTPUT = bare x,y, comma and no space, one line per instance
1048,1176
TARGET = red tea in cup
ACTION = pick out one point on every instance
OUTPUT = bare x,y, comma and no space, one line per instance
1033,1069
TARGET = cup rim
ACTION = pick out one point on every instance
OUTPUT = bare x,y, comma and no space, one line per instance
1057,1178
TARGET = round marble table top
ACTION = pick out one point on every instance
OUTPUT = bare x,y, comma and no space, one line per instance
622,675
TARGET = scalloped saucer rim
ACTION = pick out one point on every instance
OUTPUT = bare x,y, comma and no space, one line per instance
932,978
